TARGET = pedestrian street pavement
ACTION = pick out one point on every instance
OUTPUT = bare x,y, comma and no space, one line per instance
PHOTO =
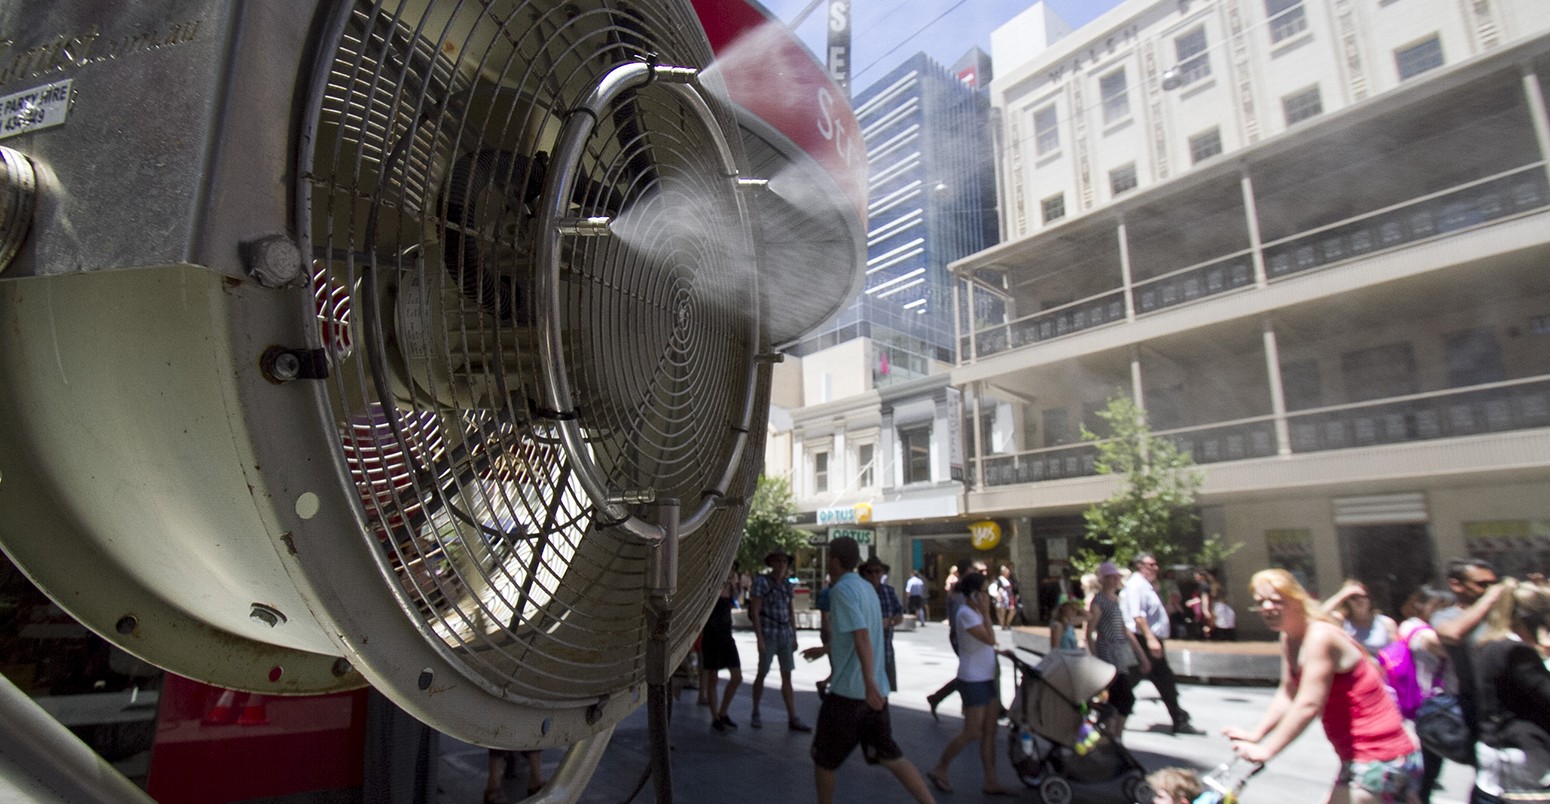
771,764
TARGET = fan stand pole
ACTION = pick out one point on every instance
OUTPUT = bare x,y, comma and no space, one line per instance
662,573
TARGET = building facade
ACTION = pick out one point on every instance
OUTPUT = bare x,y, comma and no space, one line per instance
1311,239
931,200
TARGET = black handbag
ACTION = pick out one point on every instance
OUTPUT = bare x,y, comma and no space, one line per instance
1442,729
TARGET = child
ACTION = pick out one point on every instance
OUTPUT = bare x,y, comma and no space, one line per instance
1174,786
1069,619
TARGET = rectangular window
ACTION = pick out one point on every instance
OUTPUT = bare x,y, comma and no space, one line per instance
1287,19
1122,179
1379,372
865,472
1054,207
1205,145
1194,63
1057,427
1419,57
1301,384
820,471
1474,357
1116,96
1046,131
916,442
1302,105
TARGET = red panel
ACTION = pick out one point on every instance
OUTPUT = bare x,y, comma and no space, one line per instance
770,73
213,745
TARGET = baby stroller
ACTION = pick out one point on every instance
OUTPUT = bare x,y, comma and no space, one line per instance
1056,736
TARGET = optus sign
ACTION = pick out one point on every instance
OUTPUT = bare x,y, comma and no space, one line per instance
985,535
860,513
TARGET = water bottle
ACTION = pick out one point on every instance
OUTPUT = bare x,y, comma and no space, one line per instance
1026,738
1223,785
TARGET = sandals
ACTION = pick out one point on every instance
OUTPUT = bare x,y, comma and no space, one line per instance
938,782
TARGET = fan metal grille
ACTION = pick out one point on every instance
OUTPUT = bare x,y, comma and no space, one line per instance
429,153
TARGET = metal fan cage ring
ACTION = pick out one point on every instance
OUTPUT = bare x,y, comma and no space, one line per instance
553,224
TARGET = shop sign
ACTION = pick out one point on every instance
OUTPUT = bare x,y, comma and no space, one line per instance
817,539
861,536
846,515
985,534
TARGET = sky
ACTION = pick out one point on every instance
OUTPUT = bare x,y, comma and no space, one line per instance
886,32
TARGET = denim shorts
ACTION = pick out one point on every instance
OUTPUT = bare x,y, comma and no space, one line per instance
977,693
780,646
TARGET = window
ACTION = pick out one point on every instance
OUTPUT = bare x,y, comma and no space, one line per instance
1287,19
1122,179
1116,96
1194,63
1301,385
865,473
1474,357
916,443
1418,58
1205,145
1379,372
1054,207
821,471
1046,131
1057,427
1302,105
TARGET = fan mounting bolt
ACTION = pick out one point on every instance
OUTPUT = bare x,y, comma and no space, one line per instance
274,261
284,366
268,615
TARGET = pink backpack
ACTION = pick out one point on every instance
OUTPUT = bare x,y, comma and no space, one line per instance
1399,671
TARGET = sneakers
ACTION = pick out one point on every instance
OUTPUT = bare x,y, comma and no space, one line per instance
796,724
723,723
1185,727
754,721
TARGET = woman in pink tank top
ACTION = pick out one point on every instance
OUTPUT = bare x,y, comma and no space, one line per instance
1325,673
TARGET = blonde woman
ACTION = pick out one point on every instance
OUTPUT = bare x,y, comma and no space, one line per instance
1325,672
1512,697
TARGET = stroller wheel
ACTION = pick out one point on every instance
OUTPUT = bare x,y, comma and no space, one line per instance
1055,790
1137,789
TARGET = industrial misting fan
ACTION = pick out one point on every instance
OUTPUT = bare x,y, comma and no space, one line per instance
408,343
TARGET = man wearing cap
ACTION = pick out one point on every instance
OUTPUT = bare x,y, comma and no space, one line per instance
769,611
1147,618
855,712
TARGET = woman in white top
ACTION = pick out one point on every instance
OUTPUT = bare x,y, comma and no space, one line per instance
977,684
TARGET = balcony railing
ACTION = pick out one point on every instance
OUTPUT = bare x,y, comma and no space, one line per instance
1104,308
1196,282
1477,203
1477,410
1494,408
1460,208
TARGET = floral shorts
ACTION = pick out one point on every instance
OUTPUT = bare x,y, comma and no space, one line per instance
1391,780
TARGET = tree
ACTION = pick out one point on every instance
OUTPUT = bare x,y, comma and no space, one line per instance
769,528
1155,511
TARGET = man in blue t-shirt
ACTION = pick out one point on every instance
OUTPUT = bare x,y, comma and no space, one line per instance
855,712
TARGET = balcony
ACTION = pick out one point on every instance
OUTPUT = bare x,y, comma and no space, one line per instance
1473,205
1478,410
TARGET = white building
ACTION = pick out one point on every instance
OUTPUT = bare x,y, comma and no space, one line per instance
1312,238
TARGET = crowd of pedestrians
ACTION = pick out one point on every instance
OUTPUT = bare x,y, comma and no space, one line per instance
1474,650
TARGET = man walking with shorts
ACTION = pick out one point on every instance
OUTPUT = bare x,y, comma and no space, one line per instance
769,610
855,712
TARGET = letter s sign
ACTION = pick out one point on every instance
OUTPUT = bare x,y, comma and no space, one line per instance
834,130
839,16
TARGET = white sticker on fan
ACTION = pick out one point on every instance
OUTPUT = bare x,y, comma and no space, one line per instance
34,109
307,505
414,314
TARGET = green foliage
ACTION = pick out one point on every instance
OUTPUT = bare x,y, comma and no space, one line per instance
1155,511
768,528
